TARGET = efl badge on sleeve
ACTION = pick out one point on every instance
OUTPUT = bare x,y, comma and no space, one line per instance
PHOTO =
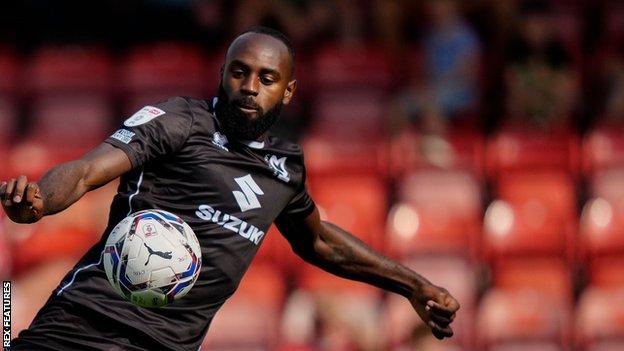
143,116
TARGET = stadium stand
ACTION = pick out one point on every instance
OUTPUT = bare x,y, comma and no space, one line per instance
535,214
599,319
250,319
154,72
603,148
458,276
525,319
518,148
438,211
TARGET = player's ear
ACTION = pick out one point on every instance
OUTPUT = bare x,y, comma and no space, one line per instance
221,70
290,91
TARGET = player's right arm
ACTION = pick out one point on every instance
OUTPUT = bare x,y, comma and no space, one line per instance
61,186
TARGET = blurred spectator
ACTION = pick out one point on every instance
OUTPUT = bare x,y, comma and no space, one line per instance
450,86
397,23
614,85
540,79
447,91
329,321
606,65
389,16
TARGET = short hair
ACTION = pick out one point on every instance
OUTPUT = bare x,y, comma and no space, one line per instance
275,34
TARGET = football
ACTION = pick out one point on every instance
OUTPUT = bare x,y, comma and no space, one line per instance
152,258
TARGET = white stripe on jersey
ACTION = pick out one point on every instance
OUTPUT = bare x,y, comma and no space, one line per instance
136,192
101,253
76,272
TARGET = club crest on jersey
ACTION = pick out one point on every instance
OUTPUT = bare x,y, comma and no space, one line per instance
143,116
220,140
278,165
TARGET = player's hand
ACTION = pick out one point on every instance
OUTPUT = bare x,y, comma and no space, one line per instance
21,200
436,307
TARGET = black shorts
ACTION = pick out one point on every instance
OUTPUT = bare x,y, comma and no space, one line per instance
65,326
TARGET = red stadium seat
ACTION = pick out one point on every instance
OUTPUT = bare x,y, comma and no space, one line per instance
347,133
276,250
608,184
535,215
606,271
322,283
338,67
556,190
469,146
326,156
352,115
69,104
76,123
517,149
603,148
524,316
600,319
519,229
348,129
338,313
457,150
453,273
249,320
602,228
549,276
438,212
156,72
355,202
69,69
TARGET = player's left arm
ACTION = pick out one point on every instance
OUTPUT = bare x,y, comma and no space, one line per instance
333,249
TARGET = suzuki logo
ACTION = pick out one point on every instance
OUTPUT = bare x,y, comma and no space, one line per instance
247,198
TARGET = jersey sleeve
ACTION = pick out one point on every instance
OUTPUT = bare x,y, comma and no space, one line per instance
301,205
154,131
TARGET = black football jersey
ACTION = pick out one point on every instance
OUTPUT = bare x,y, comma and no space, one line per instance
228,191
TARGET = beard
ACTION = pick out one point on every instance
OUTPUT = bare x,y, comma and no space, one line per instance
237,125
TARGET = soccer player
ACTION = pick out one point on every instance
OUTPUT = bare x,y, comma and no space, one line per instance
206,161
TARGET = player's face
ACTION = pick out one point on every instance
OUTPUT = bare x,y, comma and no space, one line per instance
256,83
